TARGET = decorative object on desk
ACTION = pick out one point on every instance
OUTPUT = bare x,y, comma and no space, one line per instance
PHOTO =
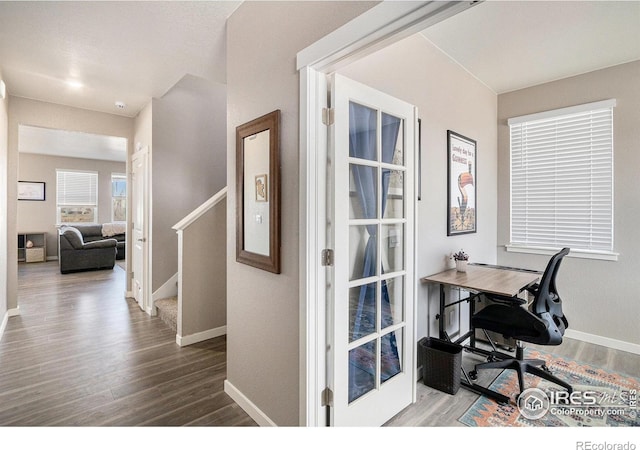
461,259
31,190
612,391
461,184
29,244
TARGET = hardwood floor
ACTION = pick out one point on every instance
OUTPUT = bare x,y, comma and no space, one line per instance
80,354
436,408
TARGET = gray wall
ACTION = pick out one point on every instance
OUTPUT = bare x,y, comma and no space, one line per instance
599,297
263,39
188,162
41,216
24,111
204,273
448,98
4,124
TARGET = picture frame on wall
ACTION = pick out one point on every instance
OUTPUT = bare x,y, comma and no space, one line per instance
31,191
461,184
262,188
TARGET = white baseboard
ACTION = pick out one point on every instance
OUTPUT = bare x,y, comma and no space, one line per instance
168,289
604,341
247,405
10,313
202,336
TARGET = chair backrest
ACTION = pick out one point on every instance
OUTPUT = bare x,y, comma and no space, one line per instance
547,304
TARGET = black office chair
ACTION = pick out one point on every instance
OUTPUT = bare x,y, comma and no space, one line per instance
544,323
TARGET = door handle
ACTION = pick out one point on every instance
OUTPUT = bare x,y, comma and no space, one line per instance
142,240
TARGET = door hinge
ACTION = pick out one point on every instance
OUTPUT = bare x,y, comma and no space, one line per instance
327,257
327,397
328,116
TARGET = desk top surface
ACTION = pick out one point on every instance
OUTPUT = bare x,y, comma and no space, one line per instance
486,279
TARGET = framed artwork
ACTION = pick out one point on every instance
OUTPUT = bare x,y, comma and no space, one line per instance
31,190
461,184
262,188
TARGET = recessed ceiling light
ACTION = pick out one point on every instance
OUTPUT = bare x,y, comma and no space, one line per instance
120,105
74,84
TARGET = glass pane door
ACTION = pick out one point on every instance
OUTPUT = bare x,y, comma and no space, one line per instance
373,293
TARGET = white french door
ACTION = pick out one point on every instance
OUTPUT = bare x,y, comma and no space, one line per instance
371,299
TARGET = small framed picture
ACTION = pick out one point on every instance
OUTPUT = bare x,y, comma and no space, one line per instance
262,188
31,190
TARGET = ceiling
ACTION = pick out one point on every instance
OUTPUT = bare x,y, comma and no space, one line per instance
510,45
131,52
93,54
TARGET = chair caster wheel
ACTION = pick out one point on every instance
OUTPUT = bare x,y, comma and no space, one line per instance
546,369
491,358
473,375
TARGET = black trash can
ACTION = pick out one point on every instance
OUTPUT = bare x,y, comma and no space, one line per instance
441,364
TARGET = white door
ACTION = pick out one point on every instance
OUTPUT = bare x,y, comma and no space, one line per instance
371,358
140,197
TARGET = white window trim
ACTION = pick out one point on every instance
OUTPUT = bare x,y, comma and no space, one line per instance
577,253
549,251
563,111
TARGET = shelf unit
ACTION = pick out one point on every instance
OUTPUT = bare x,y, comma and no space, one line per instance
36,253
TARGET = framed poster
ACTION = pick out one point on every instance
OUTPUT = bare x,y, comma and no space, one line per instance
461,184
31,190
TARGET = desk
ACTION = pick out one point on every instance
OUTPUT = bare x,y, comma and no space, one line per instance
479,280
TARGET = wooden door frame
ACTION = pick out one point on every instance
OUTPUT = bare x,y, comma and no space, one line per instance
381,26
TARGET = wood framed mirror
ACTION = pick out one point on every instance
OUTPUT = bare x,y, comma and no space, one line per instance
258,192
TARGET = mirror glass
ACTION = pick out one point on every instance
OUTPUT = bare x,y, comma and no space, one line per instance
256,193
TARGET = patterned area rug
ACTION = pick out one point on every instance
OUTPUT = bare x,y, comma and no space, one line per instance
600,398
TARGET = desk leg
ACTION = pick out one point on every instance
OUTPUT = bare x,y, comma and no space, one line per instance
472,309
441,321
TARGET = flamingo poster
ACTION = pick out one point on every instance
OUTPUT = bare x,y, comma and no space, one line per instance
461,203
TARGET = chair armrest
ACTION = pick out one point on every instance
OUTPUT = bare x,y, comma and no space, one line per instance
509,301
533,289
104,243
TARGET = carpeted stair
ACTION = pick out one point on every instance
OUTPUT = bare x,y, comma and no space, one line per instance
168,311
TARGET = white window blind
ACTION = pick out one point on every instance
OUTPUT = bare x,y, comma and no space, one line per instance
562,178
77,188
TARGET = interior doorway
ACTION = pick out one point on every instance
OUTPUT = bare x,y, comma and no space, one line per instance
381,26
371,360
68,177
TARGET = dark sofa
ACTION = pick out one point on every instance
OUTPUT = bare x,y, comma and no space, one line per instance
92,233
76,255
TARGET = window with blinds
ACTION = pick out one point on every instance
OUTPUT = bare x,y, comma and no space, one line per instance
562,178
118,197
77,196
